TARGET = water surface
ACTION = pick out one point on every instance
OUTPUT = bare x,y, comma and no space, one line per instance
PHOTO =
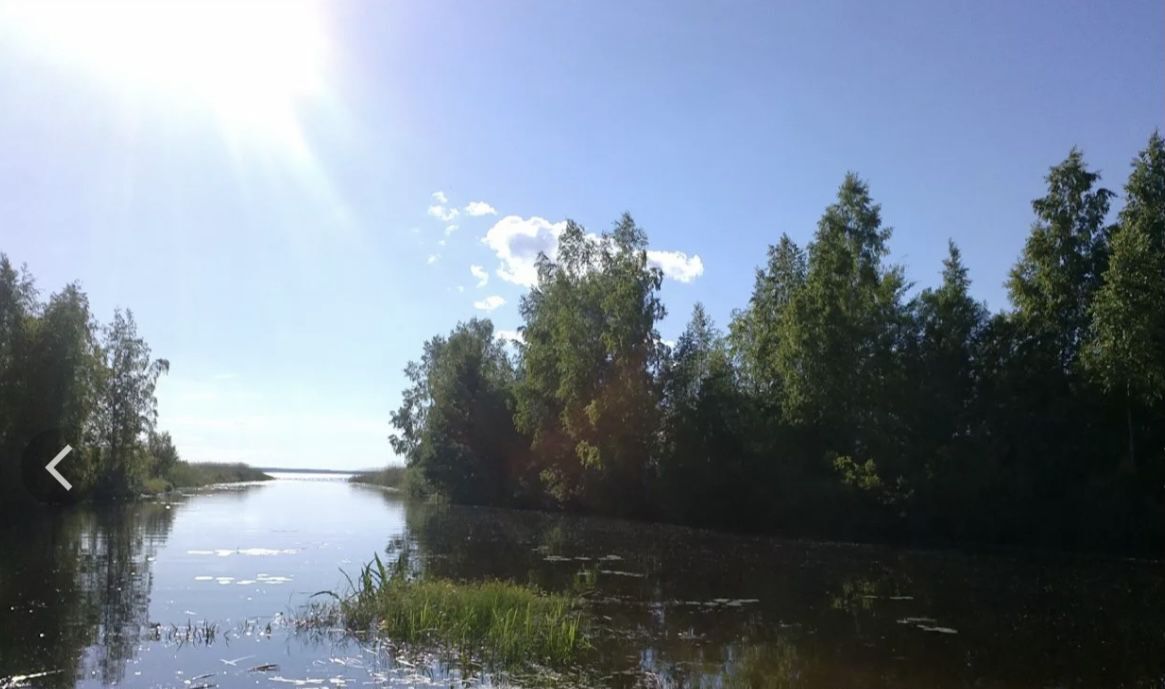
195,590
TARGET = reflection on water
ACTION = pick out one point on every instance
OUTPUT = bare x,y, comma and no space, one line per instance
75,591
193,590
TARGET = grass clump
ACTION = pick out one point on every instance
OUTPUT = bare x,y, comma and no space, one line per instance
498,623
388,477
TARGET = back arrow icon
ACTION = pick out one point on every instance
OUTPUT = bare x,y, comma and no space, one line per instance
51,467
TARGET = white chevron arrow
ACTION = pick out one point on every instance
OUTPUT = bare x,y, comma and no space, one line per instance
51,467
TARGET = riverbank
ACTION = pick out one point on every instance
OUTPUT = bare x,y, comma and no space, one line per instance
200,474
390,477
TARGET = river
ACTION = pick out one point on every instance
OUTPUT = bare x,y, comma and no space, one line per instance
199,590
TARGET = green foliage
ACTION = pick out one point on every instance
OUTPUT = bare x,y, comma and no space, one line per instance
60,369
499,623
836,406
1064,258
703,462
1127,351
587,393
455,426
162,452
756,331
837,344
197,474
388,477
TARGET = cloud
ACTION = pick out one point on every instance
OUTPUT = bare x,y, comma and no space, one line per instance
517,242
677,265
508,335
440,209
489,303
442,213
481,275
450,229
476,208
433,258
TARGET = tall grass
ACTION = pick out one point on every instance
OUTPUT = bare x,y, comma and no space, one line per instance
193,475
388,477
498,623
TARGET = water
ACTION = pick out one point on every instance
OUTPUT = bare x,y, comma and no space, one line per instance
125,595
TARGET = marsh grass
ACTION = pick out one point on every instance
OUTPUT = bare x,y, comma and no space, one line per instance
193,475
388,477
497,623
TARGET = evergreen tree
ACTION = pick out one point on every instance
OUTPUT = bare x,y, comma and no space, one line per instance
704,466
836,353
755,332
1053,283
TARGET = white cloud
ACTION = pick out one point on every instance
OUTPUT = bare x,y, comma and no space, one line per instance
442,213
440,209
450,229
460,289
518,241
476,208
507,335
677,265
432,259
489,303
440,242
481,275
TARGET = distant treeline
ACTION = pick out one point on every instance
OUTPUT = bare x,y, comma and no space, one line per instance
835,404
61,369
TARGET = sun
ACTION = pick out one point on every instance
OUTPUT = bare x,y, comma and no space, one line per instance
251,63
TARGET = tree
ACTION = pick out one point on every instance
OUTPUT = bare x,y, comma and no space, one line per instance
1053,283
836,353
943,373
18,307
587,393
162,453
755,332
455,424
1127,353
62,374
950,323
704,464
127,409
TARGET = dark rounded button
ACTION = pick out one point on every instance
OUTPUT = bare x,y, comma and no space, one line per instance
38,454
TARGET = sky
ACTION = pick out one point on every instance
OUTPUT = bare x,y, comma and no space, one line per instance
291,197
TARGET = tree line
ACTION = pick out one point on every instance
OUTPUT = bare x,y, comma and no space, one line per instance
836,403
62,369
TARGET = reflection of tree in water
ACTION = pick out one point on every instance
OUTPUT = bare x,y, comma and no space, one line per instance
847,615
79,584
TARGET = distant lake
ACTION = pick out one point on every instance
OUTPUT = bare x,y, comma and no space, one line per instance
118,594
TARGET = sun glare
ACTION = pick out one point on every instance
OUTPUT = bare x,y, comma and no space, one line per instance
250,63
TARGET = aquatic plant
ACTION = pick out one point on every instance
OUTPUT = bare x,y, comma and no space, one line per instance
498,623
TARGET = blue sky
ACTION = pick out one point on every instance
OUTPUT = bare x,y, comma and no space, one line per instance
271,188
